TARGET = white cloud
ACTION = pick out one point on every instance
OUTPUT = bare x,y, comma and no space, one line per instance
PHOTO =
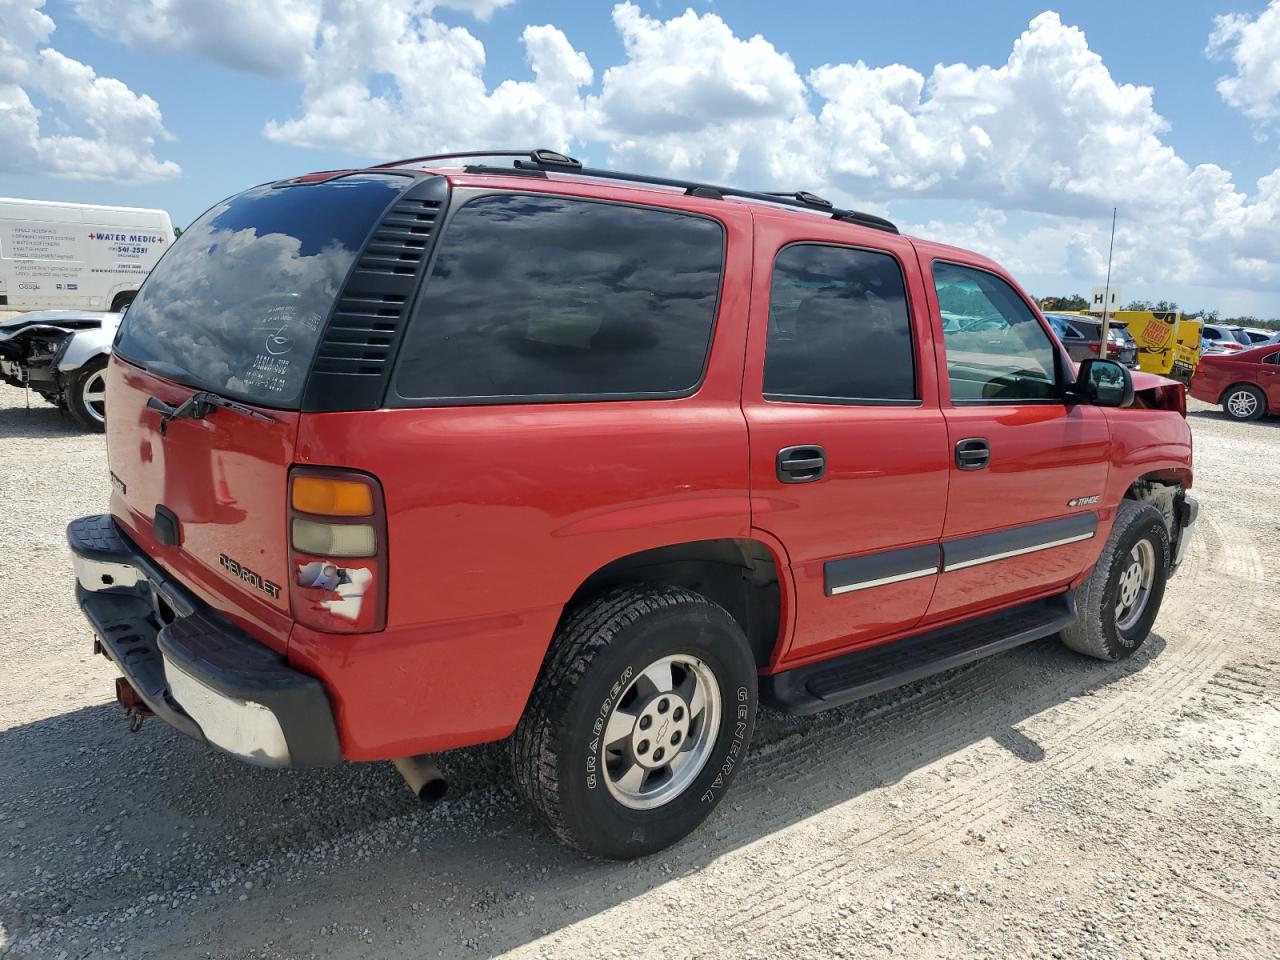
437,98
262,36
480,9
271,37
1253,46
104,131
1048,137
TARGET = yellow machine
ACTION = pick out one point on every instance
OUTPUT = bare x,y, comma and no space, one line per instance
1168,344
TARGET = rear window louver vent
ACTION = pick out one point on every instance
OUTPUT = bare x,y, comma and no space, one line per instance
353,360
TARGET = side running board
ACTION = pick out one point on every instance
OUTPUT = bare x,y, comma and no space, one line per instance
863,673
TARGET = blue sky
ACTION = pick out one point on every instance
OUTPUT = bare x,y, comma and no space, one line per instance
178,103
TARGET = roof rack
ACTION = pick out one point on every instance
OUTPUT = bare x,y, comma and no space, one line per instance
550,160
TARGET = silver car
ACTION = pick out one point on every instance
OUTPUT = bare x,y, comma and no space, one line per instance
62,355
1223,338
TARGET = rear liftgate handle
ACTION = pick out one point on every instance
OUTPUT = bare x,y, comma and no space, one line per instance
973,453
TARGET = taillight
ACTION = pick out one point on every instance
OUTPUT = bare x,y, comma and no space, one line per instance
337,550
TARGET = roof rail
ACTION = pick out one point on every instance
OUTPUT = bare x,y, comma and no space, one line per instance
550,160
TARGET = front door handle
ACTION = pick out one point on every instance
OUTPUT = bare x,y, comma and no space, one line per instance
973,453
802,464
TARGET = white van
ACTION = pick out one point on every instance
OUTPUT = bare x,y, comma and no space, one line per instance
76,254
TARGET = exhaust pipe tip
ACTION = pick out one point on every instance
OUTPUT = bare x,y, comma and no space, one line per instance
424,778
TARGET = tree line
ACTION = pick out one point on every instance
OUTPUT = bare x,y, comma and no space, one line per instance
1077,302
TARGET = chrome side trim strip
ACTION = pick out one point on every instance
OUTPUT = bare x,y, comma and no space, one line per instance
1017,553
881,581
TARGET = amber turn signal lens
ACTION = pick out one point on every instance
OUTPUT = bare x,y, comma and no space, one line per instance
332,498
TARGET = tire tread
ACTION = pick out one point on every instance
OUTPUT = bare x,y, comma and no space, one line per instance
584,633
1088,634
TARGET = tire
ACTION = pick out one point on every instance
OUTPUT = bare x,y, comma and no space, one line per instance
1244,402
599,671
1105,629
122,300
86,395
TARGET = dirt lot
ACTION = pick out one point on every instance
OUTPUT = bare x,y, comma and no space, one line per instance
1038,804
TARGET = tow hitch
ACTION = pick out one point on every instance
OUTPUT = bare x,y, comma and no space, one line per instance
134,706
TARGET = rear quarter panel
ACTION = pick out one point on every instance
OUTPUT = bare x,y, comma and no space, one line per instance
497,514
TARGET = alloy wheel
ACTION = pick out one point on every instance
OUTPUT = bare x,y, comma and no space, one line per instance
661,731
94,396
1135,585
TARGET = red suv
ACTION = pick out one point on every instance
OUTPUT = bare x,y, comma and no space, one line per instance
421,456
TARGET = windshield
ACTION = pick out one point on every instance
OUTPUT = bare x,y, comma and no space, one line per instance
238,304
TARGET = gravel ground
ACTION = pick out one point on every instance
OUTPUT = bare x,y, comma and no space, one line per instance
1038,804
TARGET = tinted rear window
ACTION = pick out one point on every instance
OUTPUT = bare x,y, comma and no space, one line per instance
547,298
839,327
240,300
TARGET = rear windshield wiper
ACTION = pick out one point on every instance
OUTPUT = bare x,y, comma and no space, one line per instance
198,406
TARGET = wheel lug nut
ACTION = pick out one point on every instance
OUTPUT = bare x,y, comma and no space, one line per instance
675,738
663,705
646,723
658,754
677,713
642,747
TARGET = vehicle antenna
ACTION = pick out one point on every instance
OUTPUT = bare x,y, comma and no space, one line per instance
1103,350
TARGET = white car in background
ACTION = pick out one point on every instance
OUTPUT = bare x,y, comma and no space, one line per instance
61,354
1258,335
1224,338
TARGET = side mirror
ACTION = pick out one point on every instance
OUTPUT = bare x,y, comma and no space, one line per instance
1103,383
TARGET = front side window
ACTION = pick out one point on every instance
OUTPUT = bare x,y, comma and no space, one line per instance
997,351
542,298
839,328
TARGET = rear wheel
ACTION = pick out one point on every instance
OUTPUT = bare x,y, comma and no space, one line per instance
1244,402
1120,600
639,721
122,300
87,395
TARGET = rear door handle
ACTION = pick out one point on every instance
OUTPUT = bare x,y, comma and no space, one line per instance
802,464
973,453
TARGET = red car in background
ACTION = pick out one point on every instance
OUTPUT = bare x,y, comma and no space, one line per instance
1247,384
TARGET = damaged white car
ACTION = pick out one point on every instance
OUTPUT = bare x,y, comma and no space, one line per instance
61,355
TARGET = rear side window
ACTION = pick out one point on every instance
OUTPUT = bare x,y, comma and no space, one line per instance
548,298
996,349
839,328
238,304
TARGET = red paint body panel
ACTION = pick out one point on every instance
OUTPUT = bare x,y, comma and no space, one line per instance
1217,372
1042,456
497,514
224,477
879,459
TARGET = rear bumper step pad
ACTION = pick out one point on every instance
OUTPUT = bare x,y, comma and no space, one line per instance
198,673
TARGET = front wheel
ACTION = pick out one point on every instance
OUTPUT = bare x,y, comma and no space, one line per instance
87,395
1118,603
639,721
1244,402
